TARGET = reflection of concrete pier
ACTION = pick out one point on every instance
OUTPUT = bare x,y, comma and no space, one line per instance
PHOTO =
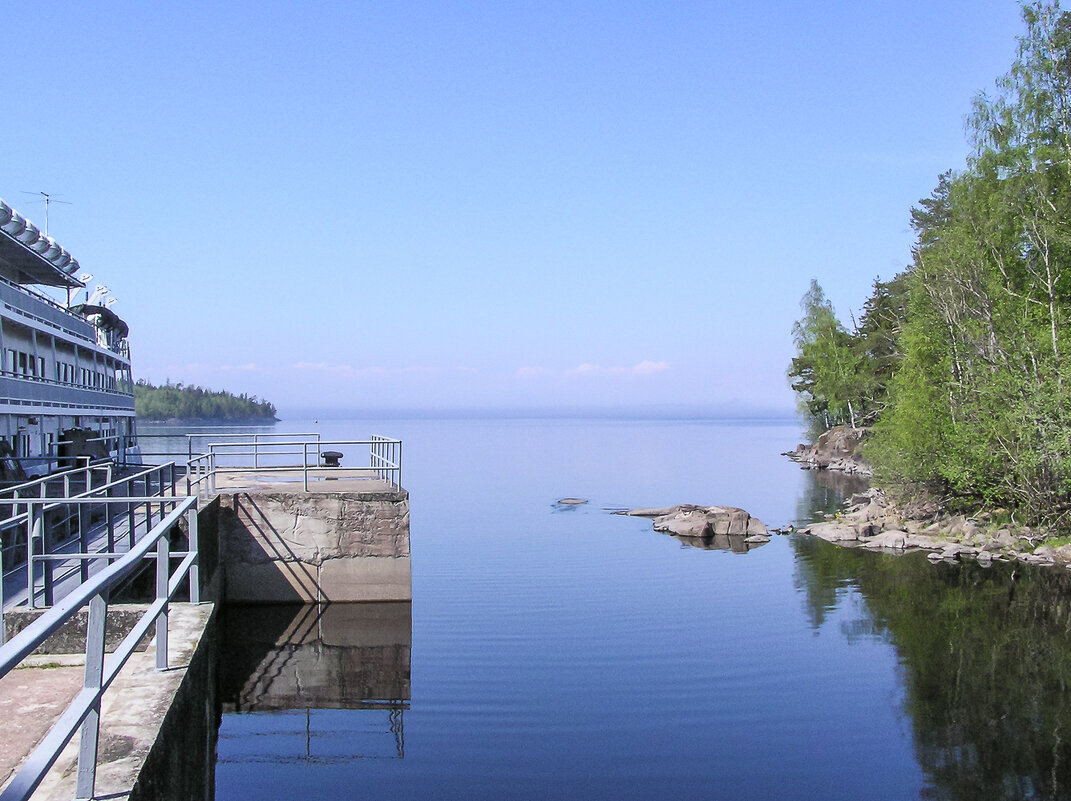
310,659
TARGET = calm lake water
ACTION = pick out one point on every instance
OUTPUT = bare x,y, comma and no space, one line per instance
555,652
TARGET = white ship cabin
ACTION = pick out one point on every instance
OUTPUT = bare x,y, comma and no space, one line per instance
65,383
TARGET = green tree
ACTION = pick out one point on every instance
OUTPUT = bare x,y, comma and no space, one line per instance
979,401
825,371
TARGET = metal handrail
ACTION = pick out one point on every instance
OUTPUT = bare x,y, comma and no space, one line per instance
34,518
384,457
17,488
84,711
384,461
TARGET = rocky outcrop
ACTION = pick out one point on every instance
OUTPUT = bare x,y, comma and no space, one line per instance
872,521
836,449
710,527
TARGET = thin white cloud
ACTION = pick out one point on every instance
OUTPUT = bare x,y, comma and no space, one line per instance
644,368
349,370
650,368
532,372
248,367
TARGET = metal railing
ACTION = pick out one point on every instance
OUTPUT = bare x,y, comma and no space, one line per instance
31,506
210,455
84,711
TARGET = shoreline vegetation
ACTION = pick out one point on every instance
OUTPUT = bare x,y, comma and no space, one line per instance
953,388
194,404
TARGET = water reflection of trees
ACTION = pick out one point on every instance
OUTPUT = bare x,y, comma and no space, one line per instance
986,656
824,492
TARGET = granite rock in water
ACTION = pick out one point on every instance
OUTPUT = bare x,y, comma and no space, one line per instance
724,527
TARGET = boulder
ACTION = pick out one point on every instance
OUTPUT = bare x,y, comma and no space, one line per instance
733,525
834,532
895,539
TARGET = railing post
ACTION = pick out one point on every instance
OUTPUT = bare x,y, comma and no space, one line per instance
31,529
305,463
67,512
163,570
130,512
109,516
83,527
212,468
96,628
163,492
47,567
194,547
256,451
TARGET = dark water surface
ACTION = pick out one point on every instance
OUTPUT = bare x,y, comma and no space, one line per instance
557,652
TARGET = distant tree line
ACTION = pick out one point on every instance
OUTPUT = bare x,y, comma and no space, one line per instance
177,401
962,363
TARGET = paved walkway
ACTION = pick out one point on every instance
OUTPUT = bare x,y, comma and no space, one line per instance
33,698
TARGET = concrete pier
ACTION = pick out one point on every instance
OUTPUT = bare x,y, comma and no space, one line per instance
263,540
343,540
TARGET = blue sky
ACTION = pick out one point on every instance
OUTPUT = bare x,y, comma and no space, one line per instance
423,205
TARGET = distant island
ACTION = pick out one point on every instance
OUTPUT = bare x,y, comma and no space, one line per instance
181,402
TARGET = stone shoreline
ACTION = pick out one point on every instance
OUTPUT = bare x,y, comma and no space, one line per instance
872,521
838,449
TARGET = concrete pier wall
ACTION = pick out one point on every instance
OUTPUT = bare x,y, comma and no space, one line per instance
279,546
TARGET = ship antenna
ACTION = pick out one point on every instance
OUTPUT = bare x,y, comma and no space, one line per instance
49,198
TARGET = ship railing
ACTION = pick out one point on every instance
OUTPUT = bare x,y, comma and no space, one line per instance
50,304
83,713
307,456
52,524
40,379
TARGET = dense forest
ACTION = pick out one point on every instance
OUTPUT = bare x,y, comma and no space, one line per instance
961,365
176,401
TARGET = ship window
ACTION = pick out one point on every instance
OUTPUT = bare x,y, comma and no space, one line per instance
22,364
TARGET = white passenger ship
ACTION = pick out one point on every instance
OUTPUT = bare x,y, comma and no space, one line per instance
65,383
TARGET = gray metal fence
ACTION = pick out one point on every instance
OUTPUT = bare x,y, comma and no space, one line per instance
83,714
209,455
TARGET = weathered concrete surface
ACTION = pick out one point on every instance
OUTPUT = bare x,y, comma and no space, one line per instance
71,638
31,700
347,543
136,709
